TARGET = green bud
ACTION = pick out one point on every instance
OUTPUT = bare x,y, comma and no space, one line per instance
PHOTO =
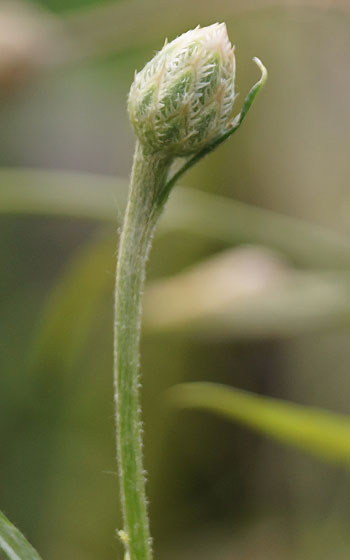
183,97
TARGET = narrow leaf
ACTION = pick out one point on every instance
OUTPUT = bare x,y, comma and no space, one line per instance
60,193
13,544
316,431
248,292
103,198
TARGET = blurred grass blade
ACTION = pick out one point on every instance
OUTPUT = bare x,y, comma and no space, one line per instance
316,431
103,198
248,292
60,193
73,305
13,544
233,222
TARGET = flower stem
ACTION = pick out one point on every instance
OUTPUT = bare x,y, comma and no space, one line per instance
148,178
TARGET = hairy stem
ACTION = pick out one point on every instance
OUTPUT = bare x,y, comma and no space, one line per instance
148,178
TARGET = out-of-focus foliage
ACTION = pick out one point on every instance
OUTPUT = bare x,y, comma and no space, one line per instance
271,318
13,544
317,431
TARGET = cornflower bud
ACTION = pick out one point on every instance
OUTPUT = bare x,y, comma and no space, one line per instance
183,97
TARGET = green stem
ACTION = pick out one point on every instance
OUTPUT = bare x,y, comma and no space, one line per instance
148,178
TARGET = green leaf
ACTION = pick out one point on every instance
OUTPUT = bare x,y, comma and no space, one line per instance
316,431
249,100
13,544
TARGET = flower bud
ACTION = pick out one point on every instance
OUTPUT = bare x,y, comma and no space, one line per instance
183,97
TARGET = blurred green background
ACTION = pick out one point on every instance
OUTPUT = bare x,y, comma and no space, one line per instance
271,314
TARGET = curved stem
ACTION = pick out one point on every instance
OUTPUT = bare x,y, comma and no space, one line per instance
148,178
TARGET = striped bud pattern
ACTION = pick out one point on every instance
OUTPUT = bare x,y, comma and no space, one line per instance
183,97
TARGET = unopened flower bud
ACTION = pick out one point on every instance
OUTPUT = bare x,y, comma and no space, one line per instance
183,97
